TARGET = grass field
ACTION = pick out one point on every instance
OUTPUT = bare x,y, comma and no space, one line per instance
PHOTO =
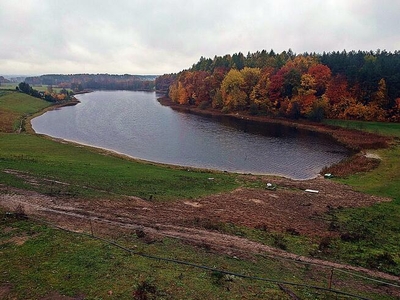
8,86
374,233
89,173
41,261
14,107
38,259
389,129
40,88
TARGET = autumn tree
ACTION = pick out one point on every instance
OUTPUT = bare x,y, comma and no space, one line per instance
352,85
214,82
234,98
291,83
321,74
259,95
251,76
381,96
276,86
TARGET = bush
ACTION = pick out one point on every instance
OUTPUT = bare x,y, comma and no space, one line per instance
144,289
279,241
382,260
204,105
253,109
225,110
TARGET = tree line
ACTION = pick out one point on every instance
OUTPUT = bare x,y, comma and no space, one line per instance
49,95
80,82
343,85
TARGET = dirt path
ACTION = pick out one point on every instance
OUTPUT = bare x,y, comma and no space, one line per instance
287,207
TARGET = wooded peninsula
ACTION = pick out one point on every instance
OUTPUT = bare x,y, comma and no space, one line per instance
337,85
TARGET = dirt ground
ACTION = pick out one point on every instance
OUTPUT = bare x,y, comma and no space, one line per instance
288,207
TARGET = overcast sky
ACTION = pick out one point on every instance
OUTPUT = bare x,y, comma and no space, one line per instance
164,36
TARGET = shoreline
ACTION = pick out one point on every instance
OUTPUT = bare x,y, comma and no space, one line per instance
352,139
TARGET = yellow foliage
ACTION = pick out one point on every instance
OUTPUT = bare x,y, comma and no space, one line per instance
307,85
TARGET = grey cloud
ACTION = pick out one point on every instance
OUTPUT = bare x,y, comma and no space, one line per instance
158,36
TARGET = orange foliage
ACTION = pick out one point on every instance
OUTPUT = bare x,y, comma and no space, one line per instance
321,74
302,87
337,90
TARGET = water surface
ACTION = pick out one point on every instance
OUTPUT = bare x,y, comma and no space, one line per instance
135,124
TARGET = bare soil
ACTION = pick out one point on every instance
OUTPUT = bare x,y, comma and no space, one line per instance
288,207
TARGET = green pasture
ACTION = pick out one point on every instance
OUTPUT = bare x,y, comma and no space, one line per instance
372,234
389,129
40,88
14,107
38,261
81,171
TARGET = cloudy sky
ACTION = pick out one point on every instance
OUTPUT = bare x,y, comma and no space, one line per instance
163,36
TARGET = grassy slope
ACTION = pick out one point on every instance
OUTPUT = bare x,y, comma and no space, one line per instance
14,106
39,260
373,232
89,173
390,129
40,88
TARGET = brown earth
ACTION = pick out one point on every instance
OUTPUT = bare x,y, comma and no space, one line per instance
287,208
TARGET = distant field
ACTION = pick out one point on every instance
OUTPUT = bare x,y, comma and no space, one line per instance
40,88
8,86
390,129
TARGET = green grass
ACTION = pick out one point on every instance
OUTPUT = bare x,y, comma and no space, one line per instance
8,86
39,260
374,231
15,106
21,103
44,88
89,173
40,88
390,129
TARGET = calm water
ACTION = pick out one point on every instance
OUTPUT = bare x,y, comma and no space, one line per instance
134,123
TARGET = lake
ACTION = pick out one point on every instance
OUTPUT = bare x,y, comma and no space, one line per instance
136,124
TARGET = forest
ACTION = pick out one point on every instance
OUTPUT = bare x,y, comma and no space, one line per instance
337,85
80,82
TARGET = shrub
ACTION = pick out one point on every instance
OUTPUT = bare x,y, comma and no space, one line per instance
204,105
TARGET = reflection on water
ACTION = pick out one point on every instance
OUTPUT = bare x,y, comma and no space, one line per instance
134,123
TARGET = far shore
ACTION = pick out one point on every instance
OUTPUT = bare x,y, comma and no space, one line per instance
352,139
